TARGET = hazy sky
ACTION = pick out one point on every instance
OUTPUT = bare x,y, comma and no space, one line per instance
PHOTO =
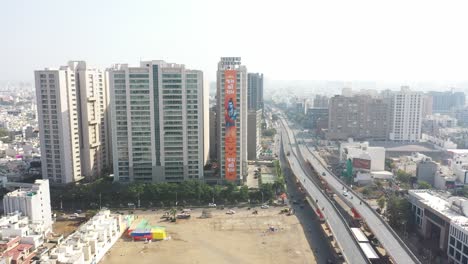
315,40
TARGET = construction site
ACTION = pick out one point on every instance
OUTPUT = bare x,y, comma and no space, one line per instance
231,235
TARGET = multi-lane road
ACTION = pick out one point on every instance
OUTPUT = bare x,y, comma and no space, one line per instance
387,237
350,249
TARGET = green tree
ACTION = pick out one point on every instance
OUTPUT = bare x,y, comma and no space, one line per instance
244,193
269,132
424,185
398,212
381,202
4,135
403,176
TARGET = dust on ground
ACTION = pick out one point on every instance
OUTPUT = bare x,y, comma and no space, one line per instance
67,226
239,238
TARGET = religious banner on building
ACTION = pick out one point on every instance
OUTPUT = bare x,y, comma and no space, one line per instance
230,117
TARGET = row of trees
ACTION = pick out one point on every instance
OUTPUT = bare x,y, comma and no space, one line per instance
110,194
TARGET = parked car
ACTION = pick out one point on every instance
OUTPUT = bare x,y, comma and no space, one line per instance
211,205
345,193
265,206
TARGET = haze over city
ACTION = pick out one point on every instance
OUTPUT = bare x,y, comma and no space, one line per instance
402,41
239,131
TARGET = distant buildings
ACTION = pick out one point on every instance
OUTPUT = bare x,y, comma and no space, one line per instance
232,119
447,102
406,115
359,117
426,170
72,109
427,104
321,101
158,122
432,123
255,114
255,91
316,119
213,134
33,201
254,124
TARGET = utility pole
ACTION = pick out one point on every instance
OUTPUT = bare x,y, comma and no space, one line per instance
100,202
176,202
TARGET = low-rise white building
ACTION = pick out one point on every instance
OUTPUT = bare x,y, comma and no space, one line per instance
440,141
17,225
444,178
362,154
91,241
436,213
33,201
459,165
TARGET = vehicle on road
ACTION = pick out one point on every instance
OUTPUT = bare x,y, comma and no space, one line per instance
345,193
211,205
265,206
324,174
230,212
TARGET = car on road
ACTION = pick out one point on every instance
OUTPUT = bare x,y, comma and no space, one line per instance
324,174
265,206
295,202
345,193
211,205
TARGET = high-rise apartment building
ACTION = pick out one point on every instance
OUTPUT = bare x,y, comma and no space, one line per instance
255,91
321,101
232,119
406,118
213,134
447,102
158,122
72,109
359,117
427,103
254,133
255,113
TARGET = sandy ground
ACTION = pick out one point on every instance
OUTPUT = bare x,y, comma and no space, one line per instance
66,227
239,238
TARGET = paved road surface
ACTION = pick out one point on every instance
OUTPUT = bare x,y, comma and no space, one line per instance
386,237
307,218
350,249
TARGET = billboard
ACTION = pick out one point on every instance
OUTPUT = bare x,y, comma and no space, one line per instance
361,164
230,117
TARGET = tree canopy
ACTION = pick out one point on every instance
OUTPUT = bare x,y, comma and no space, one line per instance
114,195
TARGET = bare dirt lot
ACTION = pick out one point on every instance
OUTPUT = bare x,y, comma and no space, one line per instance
239,238
67,226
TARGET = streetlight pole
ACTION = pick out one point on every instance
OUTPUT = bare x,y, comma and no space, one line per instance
262,196
100,202
176,202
